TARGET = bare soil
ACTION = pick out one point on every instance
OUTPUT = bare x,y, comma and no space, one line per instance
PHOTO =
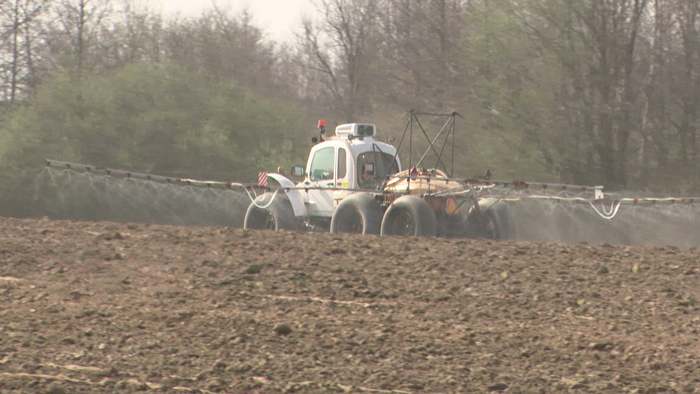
111,308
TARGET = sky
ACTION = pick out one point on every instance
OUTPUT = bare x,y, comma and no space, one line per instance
278,18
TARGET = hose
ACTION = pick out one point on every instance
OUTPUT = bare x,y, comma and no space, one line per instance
607,213
272,199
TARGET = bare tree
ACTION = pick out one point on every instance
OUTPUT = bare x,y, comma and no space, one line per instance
688,82
422,45
20,19
596,43
223,47
340,55
74,37
673,92
136,36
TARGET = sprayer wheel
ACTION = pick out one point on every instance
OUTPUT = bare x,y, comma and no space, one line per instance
494,221
359,213
270,211
409,216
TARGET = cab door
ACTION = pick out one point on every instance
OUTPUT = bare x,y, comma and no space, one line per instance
321,179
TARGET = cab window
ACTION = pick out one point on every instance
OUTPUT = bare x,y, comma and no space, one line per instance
373,168
342,163
322,164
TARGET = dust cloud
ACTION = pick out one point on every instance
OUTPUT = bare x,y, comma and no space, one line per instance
90,196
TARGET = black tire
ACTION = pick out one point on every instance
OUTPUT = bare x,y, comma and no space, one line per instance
409,216
359,213
494,220
265,215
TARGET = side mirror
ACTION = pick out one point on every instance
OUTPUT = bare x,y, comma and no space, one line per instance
297,171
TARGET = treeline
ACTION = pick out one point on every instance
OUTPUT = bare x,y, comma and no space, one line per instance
587,92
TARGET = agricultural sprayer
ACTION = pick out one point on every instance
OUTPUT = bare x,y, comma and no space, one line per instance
355,183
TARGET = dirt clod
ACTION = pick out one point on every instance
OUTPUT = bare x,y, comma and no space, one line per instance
56,390
283,329
498,387
602,346
253,269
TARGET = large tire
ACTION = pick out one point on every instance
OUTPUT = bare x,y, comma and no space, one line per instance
358,213
270,211
409,216
494,220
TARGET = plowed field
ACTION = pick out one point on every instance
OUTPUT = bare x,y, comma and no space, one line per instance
112,308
